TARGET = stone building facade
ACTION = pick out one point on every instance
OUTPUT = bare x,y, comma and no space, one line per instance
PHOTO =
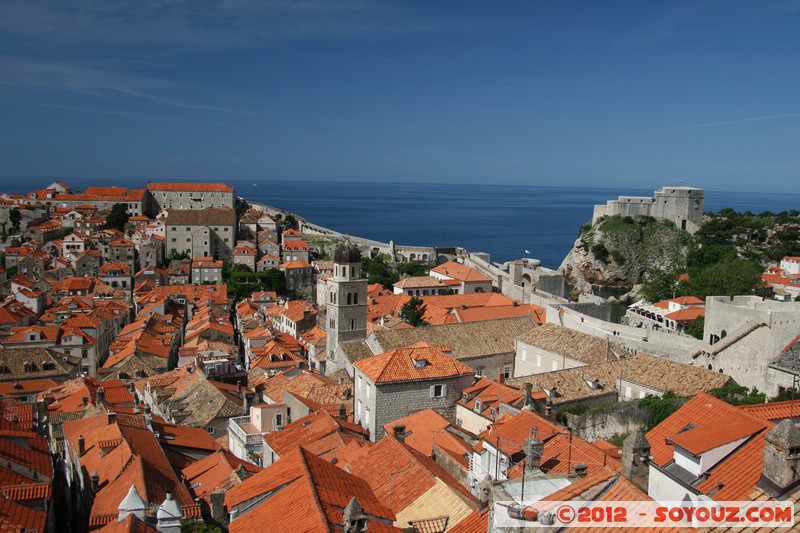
399,383
681,205
211,232
192,196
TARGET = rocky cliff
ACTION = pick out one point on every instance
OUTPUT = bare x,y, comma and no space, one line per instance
617,251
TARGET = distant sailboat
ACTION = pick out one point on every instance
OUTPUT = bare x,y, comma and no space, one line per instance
527,251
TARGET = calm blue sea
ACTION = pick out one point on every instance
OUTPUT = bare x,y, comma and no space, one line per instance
506,221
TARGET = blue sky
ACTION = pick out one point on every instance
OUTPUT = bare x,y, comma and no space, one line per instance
622,94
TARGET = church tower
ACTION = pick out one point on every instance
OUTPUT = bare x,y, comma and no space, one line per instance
347,304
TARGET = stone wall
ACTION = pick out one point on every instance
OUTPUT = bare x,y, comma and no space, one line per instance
618,419
397,400
671,345
681,205
451,466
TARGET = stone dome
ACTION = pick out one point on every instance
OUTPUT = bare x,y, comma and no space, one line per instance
347,253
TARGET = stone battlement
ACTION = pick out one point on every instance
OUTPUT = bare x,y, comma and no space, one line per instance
681,205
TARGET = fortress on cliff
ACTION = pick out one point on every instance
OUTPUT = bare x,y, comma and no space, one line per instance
681,205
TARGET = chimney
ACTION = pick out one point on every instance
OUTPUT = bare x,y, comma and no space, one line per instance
94,480
528,396
248,401
781,470
580,469
548,408
355,521
112,417
132,504
217,507
81,445
101,395
399,432
485,492
501,377
636,459
534,449
169,516
342,411
148,417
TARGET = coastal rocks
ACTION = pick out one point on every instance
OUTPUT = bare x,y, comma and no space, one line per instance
617,252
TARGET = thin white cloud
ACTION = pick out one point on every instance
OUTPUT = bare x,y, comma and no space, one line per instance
95,82
209,24
177,103
725,123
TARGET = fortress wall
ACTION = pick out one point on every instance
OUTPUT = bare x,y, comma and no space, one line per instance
671,345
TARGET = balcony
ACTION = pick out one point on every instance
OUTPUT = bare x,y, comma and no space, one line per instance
244,430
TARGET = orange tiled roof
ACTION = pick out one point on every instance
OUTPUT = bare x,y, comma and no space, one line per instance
459,272
427,428
200,187
27,491
295,264
296,245
301,476
491,394
414,473
713,423
418,361
512,430
218,471
16,517
704,423
304,431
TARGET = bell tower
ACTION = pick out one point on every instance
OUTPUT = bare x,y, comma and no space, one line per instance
347,304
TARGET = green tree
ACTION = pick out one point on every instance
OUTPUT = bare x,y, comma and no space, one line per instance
660,407
174,255
738,395
15,217
726,278
378,270
659,285
130,229
118,217
413,311
290,222
695,329
705,256
414,269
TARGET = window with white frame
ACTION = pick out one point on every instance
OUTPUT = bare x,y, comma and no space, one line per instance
438,391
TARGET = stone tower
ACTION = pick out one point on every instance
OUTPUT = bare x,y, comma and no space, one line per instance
636,459
347,304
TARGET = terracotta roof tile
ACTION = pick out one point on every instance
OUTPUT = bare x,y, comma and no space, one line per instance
460,272
413,475
704,423
16,517
427,428
418,361
301,476
180,186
